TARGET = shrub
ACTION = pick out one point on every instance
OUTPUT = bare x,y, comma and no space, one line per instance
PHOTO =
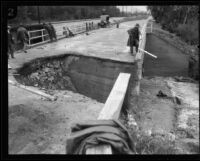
189,32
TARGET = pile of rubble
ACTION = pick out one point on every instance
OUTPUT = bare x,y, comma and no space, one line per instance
50,76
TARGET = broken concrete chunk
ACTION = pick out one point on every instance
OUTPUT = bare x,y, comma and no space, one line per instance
34,75
161,94
46,69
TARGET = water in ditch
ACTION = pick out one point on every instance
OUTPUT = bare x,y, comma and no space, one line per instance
170,61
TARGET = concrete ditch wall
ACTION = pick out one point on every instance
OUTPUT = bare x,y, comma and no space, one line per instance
90,76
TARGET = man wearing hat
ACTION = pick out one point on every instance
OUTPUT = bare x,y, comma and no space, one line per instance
133,39
48,28
10,43
22,36
53,31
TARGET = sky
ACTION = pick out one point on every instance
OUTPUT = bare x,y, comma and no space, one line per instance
133,8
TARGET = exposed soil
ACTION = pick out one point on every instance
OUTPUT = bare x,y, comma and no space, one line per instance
38,126
156,113
160,123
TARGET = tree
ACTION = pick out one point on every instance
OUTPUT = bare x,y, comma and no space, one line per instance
180,19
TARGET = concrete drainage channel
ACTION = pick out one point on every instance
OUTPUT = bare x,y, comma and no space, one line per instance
90,76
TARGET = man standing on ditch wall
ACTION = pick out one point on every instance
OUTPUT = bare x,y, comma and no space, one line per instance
133,40
22,36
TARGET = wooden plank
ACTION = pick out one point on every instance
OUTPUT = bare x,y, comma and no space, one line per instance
148,53
35,91
102,149
112,109
115,100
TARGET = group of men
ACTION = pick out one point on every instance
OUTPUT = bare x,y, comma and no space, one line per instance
23,37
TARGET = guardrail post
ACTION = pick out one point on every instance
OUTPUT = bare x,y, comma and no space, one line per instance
43,35
29,40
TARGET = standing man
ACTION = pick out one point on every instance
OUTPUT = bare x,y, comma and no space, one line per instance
92,25
48,28
53,31
117,24
70,32
10,43
133,39
22,36
86,26
65,32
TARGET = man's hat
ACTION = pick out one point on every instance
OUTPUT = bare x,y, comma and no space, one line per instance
137,25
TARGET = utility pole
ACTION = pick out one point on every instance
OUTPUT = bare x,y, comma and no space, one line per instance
38,10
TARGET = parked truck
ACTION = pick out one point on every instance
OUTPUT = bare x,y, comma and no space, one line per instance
104,21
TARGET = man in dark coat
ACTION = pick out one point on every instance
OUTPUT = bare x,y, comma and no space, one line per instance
133,39
70,32
22,36
53,31
48,28
10,44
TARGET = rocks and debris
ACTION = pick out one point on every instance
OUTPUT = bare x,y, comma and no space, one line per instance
184,79
49,76
177,100
161,94
188,93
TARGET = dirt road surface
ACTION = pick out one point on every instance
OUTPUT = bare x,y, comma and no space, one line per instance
38,126
107,43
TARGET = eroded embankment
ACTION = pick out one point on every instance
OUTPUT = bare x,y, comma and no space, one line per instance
90,76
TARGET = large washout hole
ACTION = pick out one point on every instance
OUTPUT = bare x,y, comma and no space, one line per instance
90,76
